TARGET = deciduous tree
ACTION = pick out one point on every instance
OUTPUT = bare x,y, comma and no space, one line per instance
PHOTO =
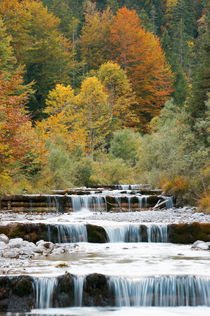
38,44
92,101
139,53
121,98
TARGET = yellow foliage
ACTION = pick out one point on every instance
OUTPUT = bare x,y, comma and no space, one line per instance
204,203
170,4
59,99
92,102
5,181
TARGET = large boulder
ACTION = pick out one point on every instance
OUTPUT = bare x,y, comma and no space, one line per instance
96,234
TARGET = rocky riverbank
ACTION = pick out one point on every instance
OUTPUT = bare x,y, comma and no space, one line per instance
171,215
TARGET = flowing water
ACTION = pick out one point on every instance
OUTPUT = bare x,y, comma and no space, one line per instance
145,273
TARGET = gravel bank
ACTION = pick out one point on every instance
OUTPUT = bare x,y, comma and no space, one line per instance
173,215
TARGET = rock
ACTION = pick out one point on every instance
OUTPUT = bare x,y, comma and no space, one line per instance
16,294
58,251
201,245
96,234
96,291
16,243
2,245
11,253
46,245
4,238
65,291
188,233
23,286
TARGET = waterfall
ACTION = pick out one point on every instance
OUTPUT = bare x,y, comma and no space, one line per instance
125,233
161,291
78,290
134,233
157,233
68,233
89,202
53,202
142,199
44,290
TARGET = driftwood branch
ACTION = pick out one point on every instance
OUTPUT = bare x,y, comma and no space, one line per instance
159,203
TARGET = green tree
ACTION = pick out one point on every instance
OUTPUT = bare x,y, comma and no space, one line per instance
7,58
197,103
125,145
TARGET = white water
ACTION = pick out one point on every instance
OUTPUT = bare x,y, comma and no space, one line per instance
133,233
97,201
157,233
68,233
44,289
140,273
124,233
161,291
91,202
165,291
78,290
124,311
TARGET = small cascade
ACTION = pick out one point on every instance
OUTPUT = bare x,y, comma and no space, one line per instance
142,201
135,233
67,233
53,202
165,291
78,290
44,290
125,233
89,202
169,203
123,187
157,233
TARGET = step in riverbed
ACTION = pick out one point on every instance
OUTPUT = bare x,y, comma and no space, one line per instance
23,293
106,201
113,233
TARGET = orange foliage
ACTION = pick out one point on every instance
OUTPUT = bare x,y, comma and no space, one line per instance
139,53
15,125
176,185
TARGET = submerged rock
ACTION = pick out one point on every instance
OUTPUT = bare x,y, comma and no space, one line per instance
201,245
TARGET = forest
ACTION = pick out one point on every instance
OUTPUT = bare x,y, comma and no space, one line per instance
105,92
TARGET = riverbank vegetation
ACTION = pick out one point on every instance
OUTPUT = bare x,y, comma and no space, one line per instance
105,92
